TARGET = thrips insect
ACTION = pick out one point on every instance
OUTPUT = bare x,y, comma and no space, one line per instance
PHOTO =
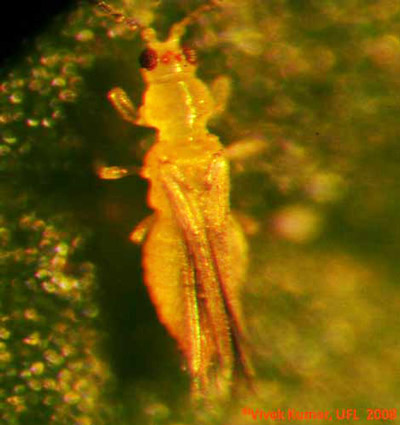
194,251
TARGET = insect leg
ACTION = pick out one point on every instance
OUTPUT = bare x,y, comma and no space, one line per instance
121,102
245,149
220,92
139,233
114,172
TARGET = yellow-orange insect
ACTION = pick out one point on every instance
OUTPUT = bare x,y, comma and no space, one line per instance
194,253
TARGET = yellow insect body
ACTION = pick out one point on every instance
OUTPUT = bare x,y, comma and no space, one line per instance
194,253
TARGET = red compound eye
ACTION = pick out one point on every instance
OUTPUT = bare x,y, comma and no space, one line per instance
148,59
190,55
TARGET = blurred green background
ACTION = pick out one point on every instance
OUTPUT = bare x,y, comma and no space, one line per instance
317,83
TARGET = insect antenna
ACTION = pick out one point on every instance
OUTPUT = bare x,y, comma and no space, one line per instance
118,16
179,28
147,34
